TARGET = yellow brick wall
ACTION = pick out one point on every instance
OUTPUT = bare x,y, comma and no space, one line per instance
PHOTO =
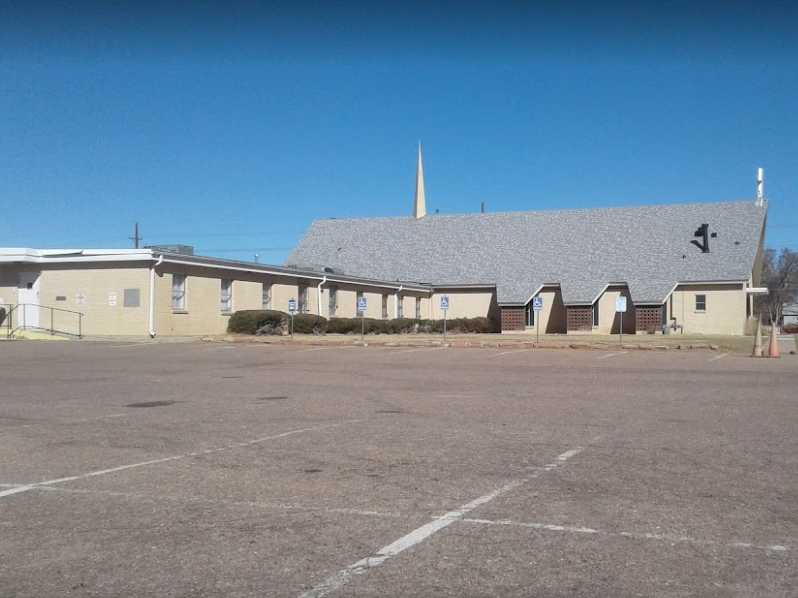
725,309
609,319
102,288
463,303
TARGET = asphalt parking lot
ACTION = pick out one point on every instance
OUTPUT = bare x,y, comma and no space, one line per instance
251,470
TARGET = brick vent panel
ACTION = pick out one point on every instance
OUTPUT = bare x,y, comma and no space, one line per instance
513,318
580,318
648,319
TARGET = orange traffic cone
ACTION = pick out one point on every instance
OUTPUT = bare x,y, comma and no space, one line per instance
758,339
773,347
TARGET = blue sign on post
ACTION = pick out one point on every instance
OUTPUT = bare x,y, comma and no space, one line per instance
292,306
362,304
444,302
537,303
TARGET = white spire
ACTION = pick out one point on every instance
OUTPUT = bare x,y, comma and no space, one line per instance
760,186
419,203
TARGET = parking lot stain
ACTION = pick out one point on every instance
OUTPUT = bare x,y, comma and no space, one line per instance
389,411
146,404
277,398
312,470
231,377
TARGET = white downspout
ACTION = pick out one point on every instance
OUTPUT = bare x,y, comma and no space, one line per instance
396,302
318,295
151,318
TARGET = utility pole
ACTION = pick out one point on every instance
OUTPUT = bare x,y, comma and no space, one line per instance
136,238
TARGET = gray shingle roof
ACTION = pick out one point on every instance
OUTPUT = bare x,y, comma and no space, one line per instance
582,250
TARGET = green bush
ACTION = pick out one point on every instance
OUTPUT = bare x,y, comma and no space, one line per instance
309,324
248,321
407,326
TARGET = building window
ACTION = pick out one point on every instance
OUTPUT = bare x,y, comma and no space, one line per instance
333,301
701,303
131,298
178,292
530,315
266,296
227,295
385,307
418,308
595,314
400,308
302,299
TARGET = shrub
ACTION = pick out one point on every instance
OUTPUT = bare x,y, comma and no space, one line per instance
408,326
249,321
2,315
788,328
309,324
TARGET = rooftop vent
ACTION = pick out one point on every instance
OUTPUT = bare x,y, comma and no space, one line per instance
179,249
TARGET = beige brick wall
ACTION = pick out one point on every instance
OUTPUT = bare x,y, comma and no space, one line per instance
553,315
725,309
463,303
97,291
609,319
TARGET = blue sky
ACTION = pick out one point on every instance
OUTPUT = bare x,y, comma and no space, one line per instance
232,128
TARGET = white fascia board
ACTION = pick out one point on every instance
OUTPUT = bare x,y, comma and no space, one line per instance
75,258
707,282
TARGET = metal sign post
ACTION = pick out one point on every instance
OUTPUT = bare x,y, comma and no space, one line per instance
444,309
537,307
620,307
292,311
362,304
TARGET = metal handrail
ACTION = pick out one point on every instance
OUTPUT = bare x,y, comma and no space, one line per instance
15,308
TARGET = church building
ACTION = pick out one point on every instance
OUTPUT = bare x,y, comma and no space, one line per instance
682,268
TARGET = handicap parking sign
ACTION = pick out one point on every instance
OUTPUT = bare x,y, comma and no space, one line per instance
445,302
292,305
537,303
361,304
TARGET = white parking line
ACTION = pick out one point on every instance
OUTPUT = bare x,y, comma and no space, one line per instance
420,534
282,506
91,474
509,352
608,355
718,357
670,538
418,349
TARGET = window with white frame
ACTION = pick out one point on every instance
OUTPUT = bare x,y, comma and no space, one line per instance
178,292
333,301
400,308
701,303
302,299
385,307
266,298
226,297
418,308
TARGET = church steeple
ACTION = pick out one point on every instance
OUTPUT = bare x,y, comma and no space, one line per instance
419,203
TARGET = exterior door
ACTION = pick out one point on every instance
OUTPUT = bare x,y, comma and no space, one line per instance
28,293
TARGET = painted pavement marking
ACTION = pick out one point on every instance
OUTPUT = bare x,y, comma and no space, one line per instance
608,355
718,357
27,487
418,535
418,349
670,538
280,506
509,352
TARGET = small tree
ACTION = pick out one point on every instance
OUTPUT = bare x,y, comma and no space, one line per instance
780,276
